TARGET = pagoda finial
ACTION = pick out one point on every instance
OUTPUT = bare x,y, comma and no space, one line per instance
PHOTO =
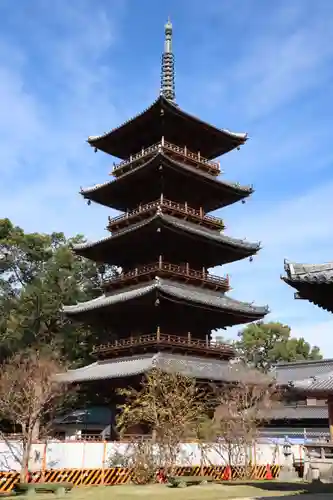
168,66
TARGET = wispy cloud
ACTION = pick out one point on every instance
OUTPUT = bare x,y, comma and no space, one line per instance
21,124
279,69
276,53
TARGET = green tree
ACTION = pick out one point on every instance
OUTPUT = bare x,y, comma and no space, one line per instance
39,273
264,344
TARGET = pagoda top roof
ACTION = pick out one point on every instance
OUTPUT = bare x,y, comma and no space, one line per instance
117,193
191,366
172,289
166,119
308,273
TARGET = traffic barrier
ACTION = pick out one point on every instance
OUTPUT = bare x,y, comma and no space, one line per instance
122,475
227,473
268,472
8,481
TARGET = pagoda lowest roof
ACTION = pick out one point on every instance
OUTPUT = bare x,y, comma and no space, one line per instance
166,119
191,366
286,374
310,280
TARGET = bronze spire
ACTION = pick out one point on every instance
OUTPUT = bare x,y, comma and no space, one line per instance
168,67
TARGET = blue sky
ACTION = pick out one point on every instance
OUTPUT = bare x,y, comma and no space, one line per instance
73,69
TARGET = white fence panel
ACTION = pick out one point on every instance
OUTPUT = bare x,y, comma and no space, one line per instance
80,455
10,455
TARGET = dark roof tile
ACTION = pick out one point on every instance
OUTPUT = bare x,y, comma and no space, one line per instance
184,225
299,370
191,366
241,190
174,289
308,273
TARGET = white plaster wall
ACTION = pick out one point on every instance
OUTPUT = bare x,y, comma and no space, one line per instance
86,455
10,454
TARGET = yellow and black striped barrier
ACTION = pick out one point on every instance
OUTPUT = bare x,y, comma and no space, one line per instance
219,472
8,481
122,475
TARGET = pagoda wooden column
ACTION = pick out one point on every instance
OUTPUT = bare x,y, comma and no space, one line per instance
330,415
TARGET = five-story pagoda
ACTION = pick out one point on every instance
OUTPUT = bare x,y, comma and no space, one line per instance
161,309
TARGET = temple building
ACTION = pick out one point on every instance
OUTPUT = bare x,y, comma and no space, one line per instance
308,398
161,310
302,414
313,282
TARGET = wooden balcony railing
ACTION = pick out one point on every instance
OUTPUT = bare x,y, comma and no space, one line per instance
174,208
183,154
164,340
171,271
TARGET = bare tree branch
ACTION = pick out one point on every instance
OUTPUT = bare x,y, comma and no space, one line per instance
240,410
29,397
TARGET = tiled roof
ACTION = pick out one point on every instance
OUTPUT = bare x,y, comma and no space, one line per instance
308,376
108,300
176,290
93,138
241,137
320,383
180,224
294,412
308,280
308,273
191,366
287,373
109,369
242,190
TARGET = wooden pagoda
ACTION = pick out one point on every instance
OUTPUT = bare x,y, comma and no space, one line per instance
162,308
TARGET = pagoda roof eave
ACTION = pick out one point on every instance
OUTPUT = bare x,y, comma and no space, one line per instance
193,366
109,141
241,190
233,190
178,224
173,290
